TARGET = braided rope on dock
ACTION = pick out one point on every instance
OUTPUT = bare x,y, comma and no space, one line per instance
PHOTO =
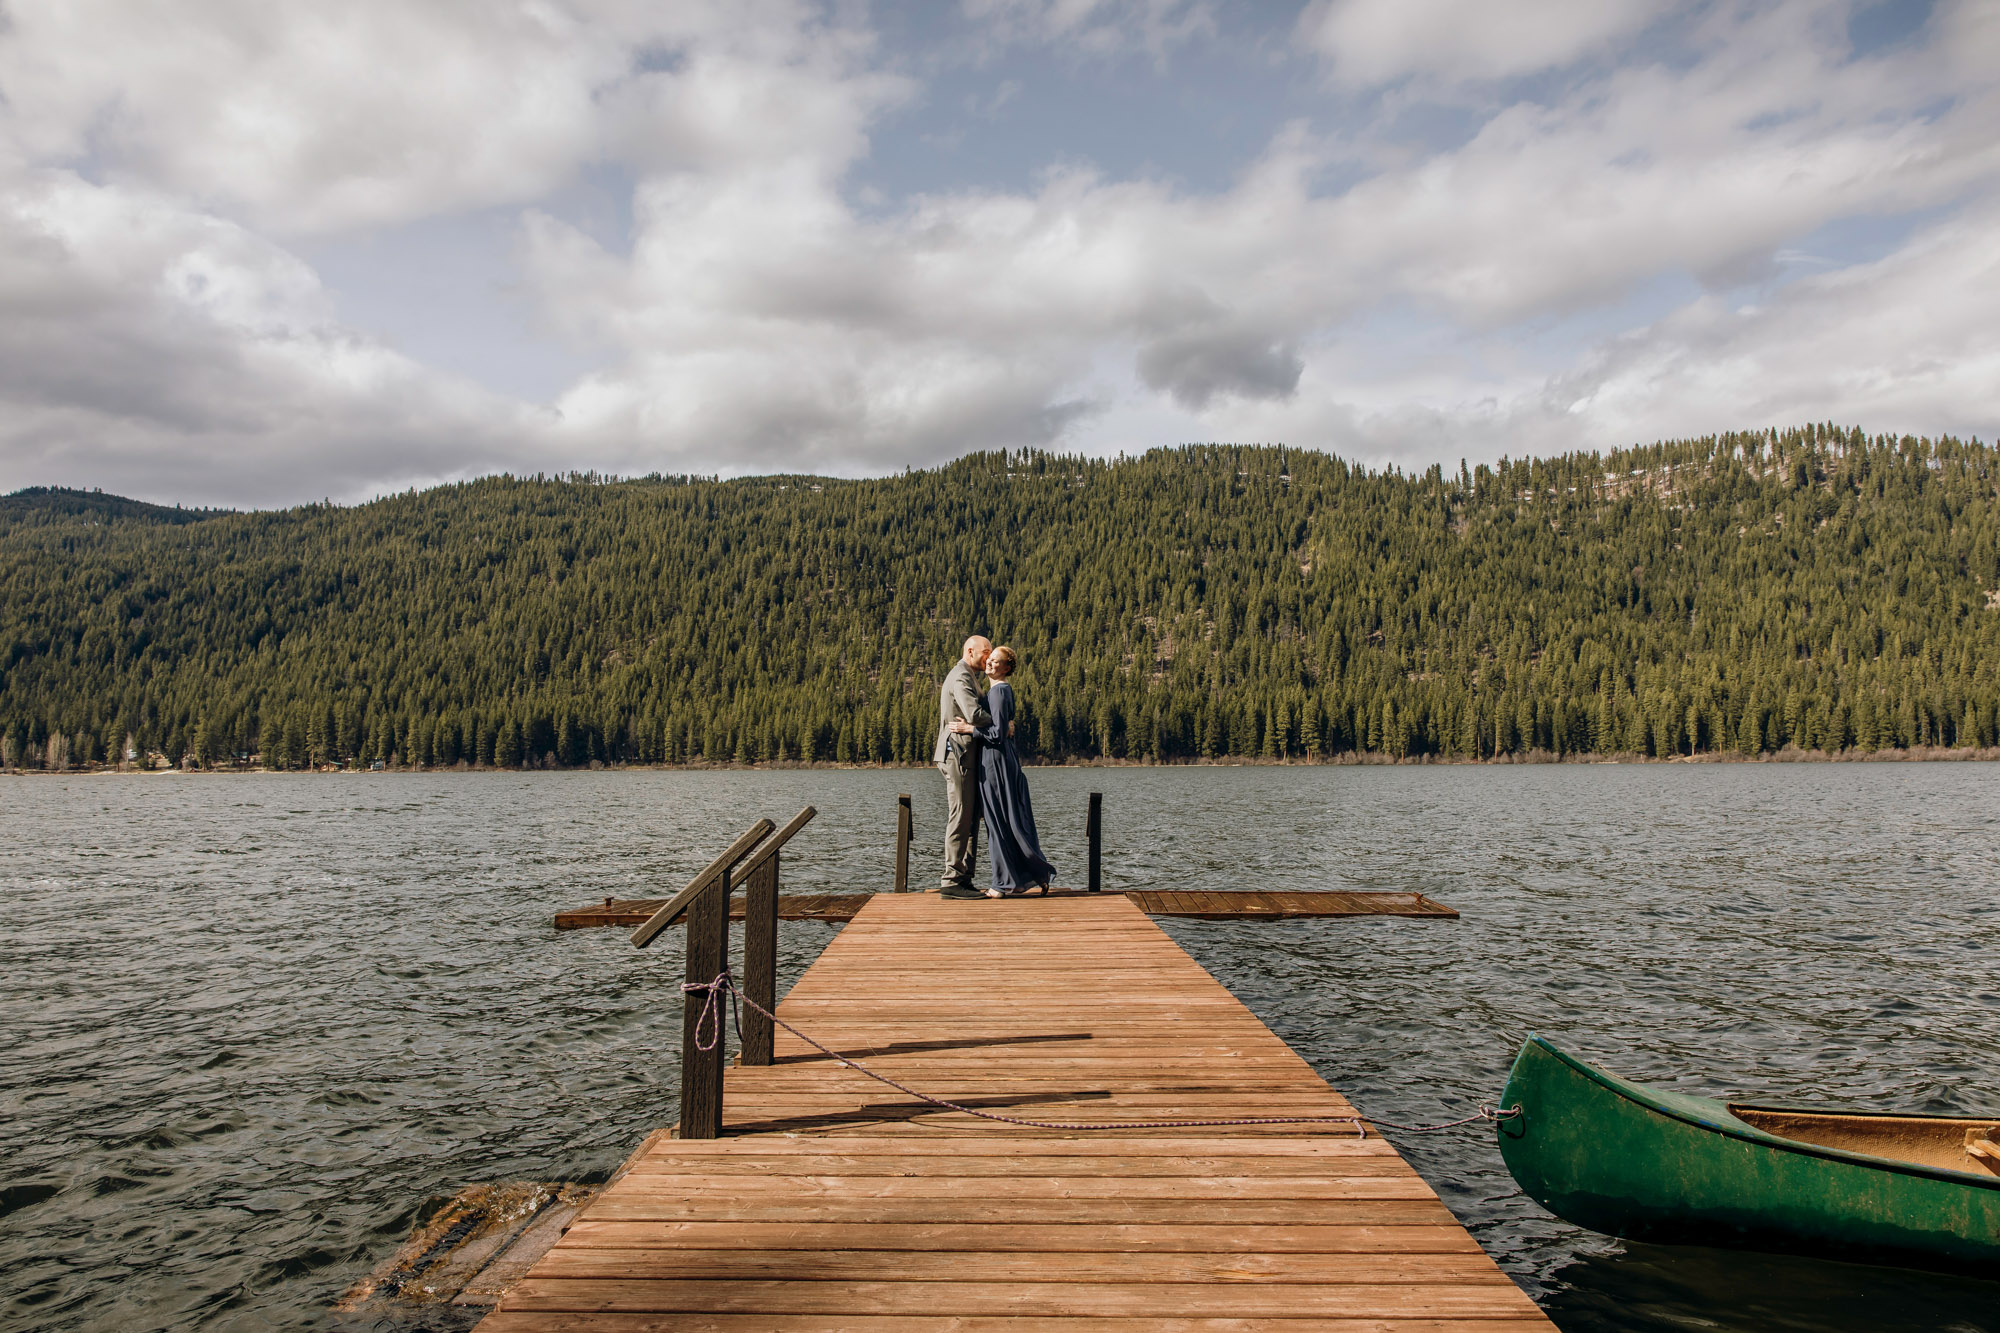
711,1019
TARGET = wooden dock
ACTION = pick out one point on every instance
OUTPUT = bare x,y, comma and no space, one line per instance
1207,904
835,1202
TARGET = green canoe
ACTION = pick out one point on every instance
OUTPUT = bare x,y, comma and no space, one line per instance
1637,1162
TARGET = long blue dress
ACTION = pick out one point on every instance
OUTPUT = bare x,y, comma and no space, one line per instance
1018,862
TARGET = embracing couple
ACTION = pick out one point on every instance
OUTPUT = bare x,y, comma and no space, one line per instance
982,775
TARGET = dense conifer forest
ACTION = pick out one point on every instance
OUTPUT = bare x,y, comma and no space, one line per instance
1812,588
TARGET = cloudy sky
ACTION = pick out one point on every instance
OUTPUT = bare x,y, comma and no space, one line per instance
263,251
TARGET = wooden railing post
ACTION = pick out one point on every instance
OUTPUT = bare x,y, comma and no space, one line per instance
1094,830
760,958
760,939
707,955
705,903
902,844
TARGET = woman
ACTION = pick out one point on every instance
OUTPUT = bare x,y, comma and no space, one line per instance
1003,792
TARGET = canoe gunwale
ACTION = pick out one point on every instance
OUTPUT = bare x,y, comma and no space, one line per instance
1724,1122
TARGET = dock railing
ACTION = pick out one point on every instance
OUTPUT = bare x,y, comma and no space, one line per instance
760,938
1093,832
705,903
903,823
754,861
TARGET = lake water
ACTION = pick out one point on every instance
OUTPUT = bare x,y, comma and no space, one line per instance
255,1022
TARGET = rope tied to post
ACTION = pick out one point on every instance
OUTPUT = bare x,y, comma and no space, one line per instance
711,1014
725,983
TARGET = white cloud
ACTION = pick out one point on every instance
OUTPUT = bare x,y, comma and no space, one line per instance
326,117
1910,337
785,91
309,117
156,333
1093,27
157,336
1373,42
763,320
1906,342
1707,169
193,360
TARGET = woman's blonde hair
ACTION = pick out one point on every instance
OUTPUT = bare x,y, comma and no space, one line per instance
1003,658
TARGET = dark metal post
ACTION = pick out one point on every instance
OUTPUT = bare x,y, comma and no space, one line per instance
707,954
902,844
760,959
1094,829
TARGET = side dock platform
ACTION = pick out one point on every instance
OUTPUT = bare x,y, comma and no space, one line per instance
1207,904
832,1201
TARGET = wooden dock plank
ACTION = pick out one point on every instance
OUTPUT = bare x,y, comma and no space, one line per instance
969,1147
834,1201
851,1164
1044,1238
1020,1294
993,1189
692,1322
742,1264
1251,1214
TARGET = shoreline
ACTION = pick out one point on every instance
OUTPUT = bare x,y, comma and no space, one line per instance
1922,754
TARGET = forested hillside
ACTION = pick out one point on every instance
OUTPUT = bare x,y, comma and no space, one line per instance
1812,588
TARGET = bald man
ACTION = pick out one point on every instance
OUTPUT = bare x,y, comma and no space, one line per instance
957,757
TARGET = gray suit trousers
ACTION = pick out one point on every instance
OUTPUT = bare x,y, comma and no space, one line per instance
961,814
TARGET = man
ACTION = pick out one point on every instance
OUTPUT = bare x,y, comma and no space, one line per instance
957,757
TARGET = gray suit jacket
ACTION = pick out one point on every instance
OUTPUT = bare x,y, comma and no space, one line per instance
957,697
